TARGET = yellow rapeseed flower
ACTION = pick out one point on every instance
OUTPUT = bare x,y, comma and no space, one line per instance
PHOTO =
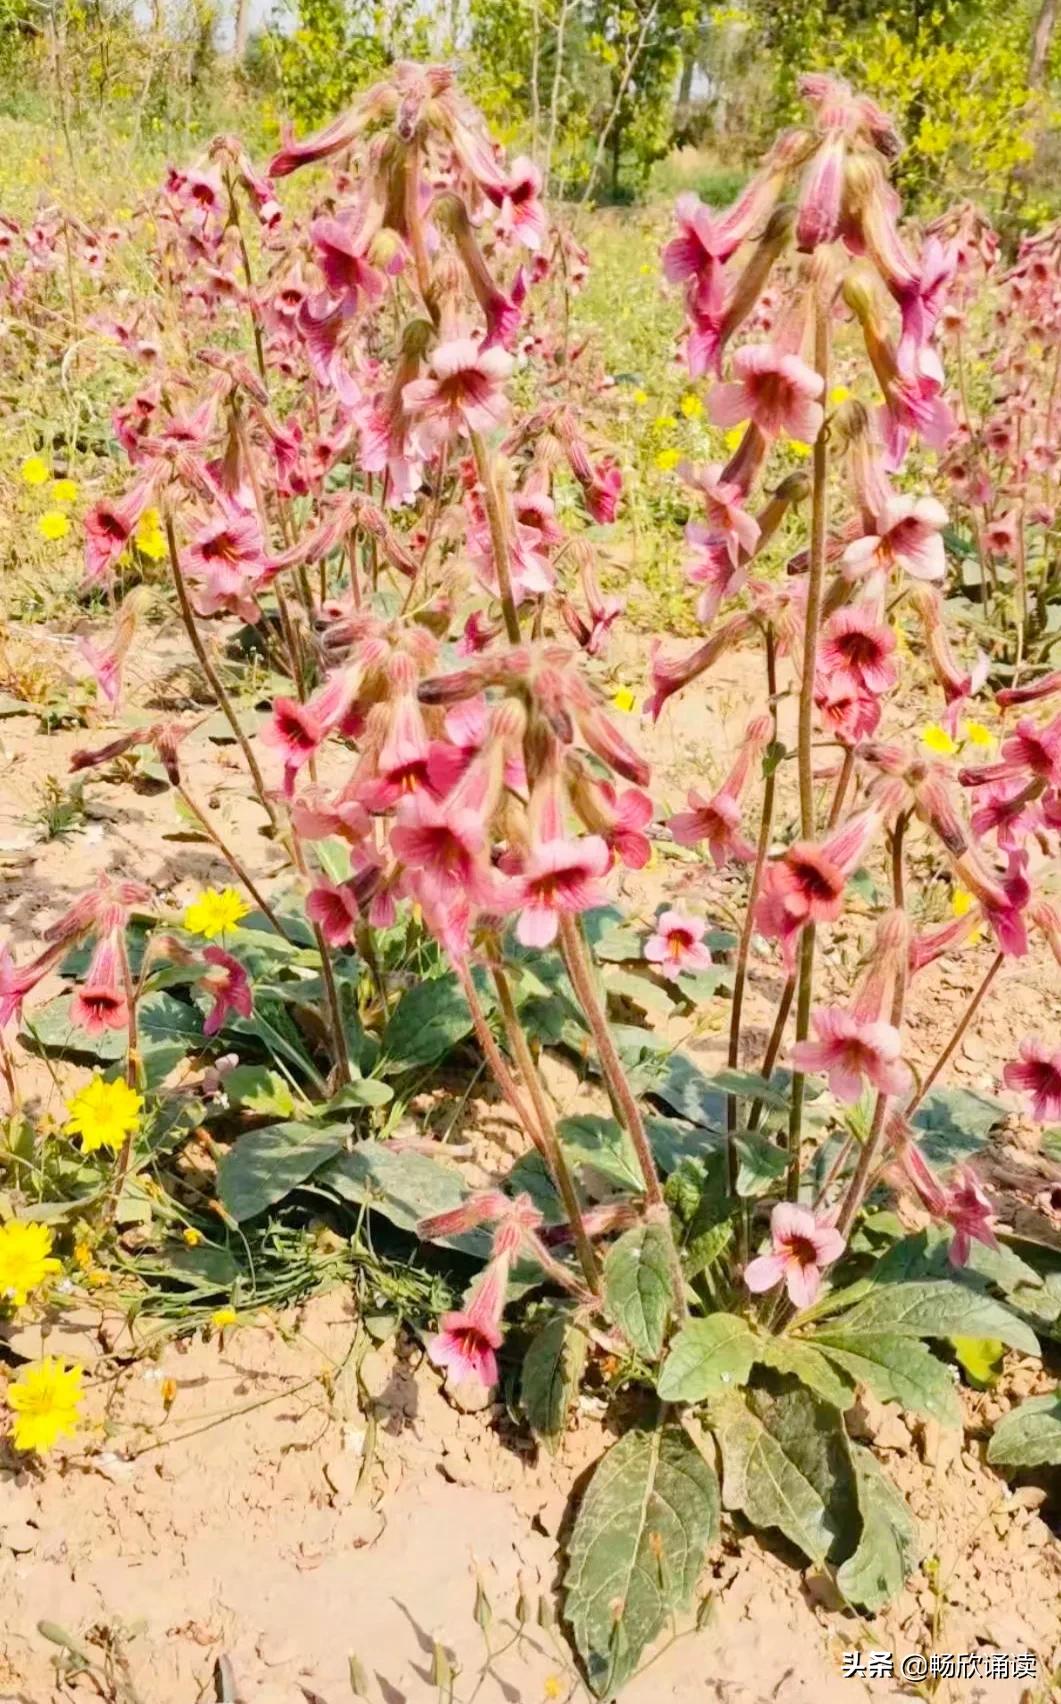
46,1403
667,460
149,538
35,471
838,394
937,740
215,911
53,525
797,447
192,1237
640,397
978,735
961,904
64,490
691,406
624,699
221,1317
665,422
732,437
25,1260
103,1114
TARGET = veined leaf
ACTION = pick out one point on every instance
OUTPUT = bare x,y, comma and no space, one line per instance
637,1287
888,1548
705,1356
1028,1436
896,1369
937,1309
792,1355
639,1541
265,1165
759,1478
552,1371
428,1021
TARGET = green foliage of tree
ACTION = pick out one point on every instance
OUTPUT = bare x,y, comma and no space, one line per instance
324,51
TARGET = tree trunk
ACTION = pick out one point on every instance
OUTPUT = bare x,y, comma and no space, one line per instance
1041,39
242,31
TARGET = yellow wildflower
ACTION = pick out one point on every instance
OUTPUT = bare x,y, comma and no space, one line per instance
978,735
191,1236
149,538
838,394
25,1260
169,1393
53,525
962,902
640,397
796,447
221,1317
732,437
646,269
215,911
64,490
46,1403
35,470
667,460
938,740
665,422
624,699
103,1114
554,1687
691,406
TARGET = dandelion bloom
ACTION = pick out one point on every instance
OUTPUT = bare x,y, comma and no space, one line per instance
223,1317
1037,1072
53,525
35,471
25,1260
802,1245
777,391
103,1114
214,911
46,1403
467,1341
677,945
850,1048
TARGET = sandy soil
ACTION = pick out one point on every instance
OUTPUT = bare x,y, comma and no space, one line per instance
308,1494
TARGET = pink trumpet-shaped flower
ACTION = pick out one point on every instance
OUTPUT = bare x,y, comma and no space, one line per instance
463,395
677,946
908,536
348,273
518,198
802,1245
559,877
850,1048
776,390
16,983
443,843
100,1002
969,1211
333,907
726,514
1038,1073
718,822
109,528
229,987
856,643
467,1341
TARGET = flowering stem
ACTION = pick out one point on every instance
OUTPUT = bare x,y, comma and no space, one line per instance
238,869
843,781
550,1143
819,524
581,974
498,536
212,676
740,974
773,1046
962,1025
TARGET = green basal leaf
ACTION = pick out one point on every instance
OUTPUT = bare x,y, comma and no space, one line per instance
762,1163
802,1361
426,1024
261,1090
888,1549
937,1309
955,1123
707,1355
552,1372
703,1252
896,1369
1028,1436
265,1165
762,1480
403,1186
645,1524
638,1292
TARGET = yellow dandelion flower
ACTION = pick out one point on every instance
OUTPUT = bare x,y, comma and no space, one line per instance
214,911
665,422
838,394
191,1236
222,1317
46,1403
667,460
554,1686
978,735
64,490
640,397
53,525
149,538
691,406
624,699
937,740
25,1260
35,471
732,437
796,447
103,1114
962,902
